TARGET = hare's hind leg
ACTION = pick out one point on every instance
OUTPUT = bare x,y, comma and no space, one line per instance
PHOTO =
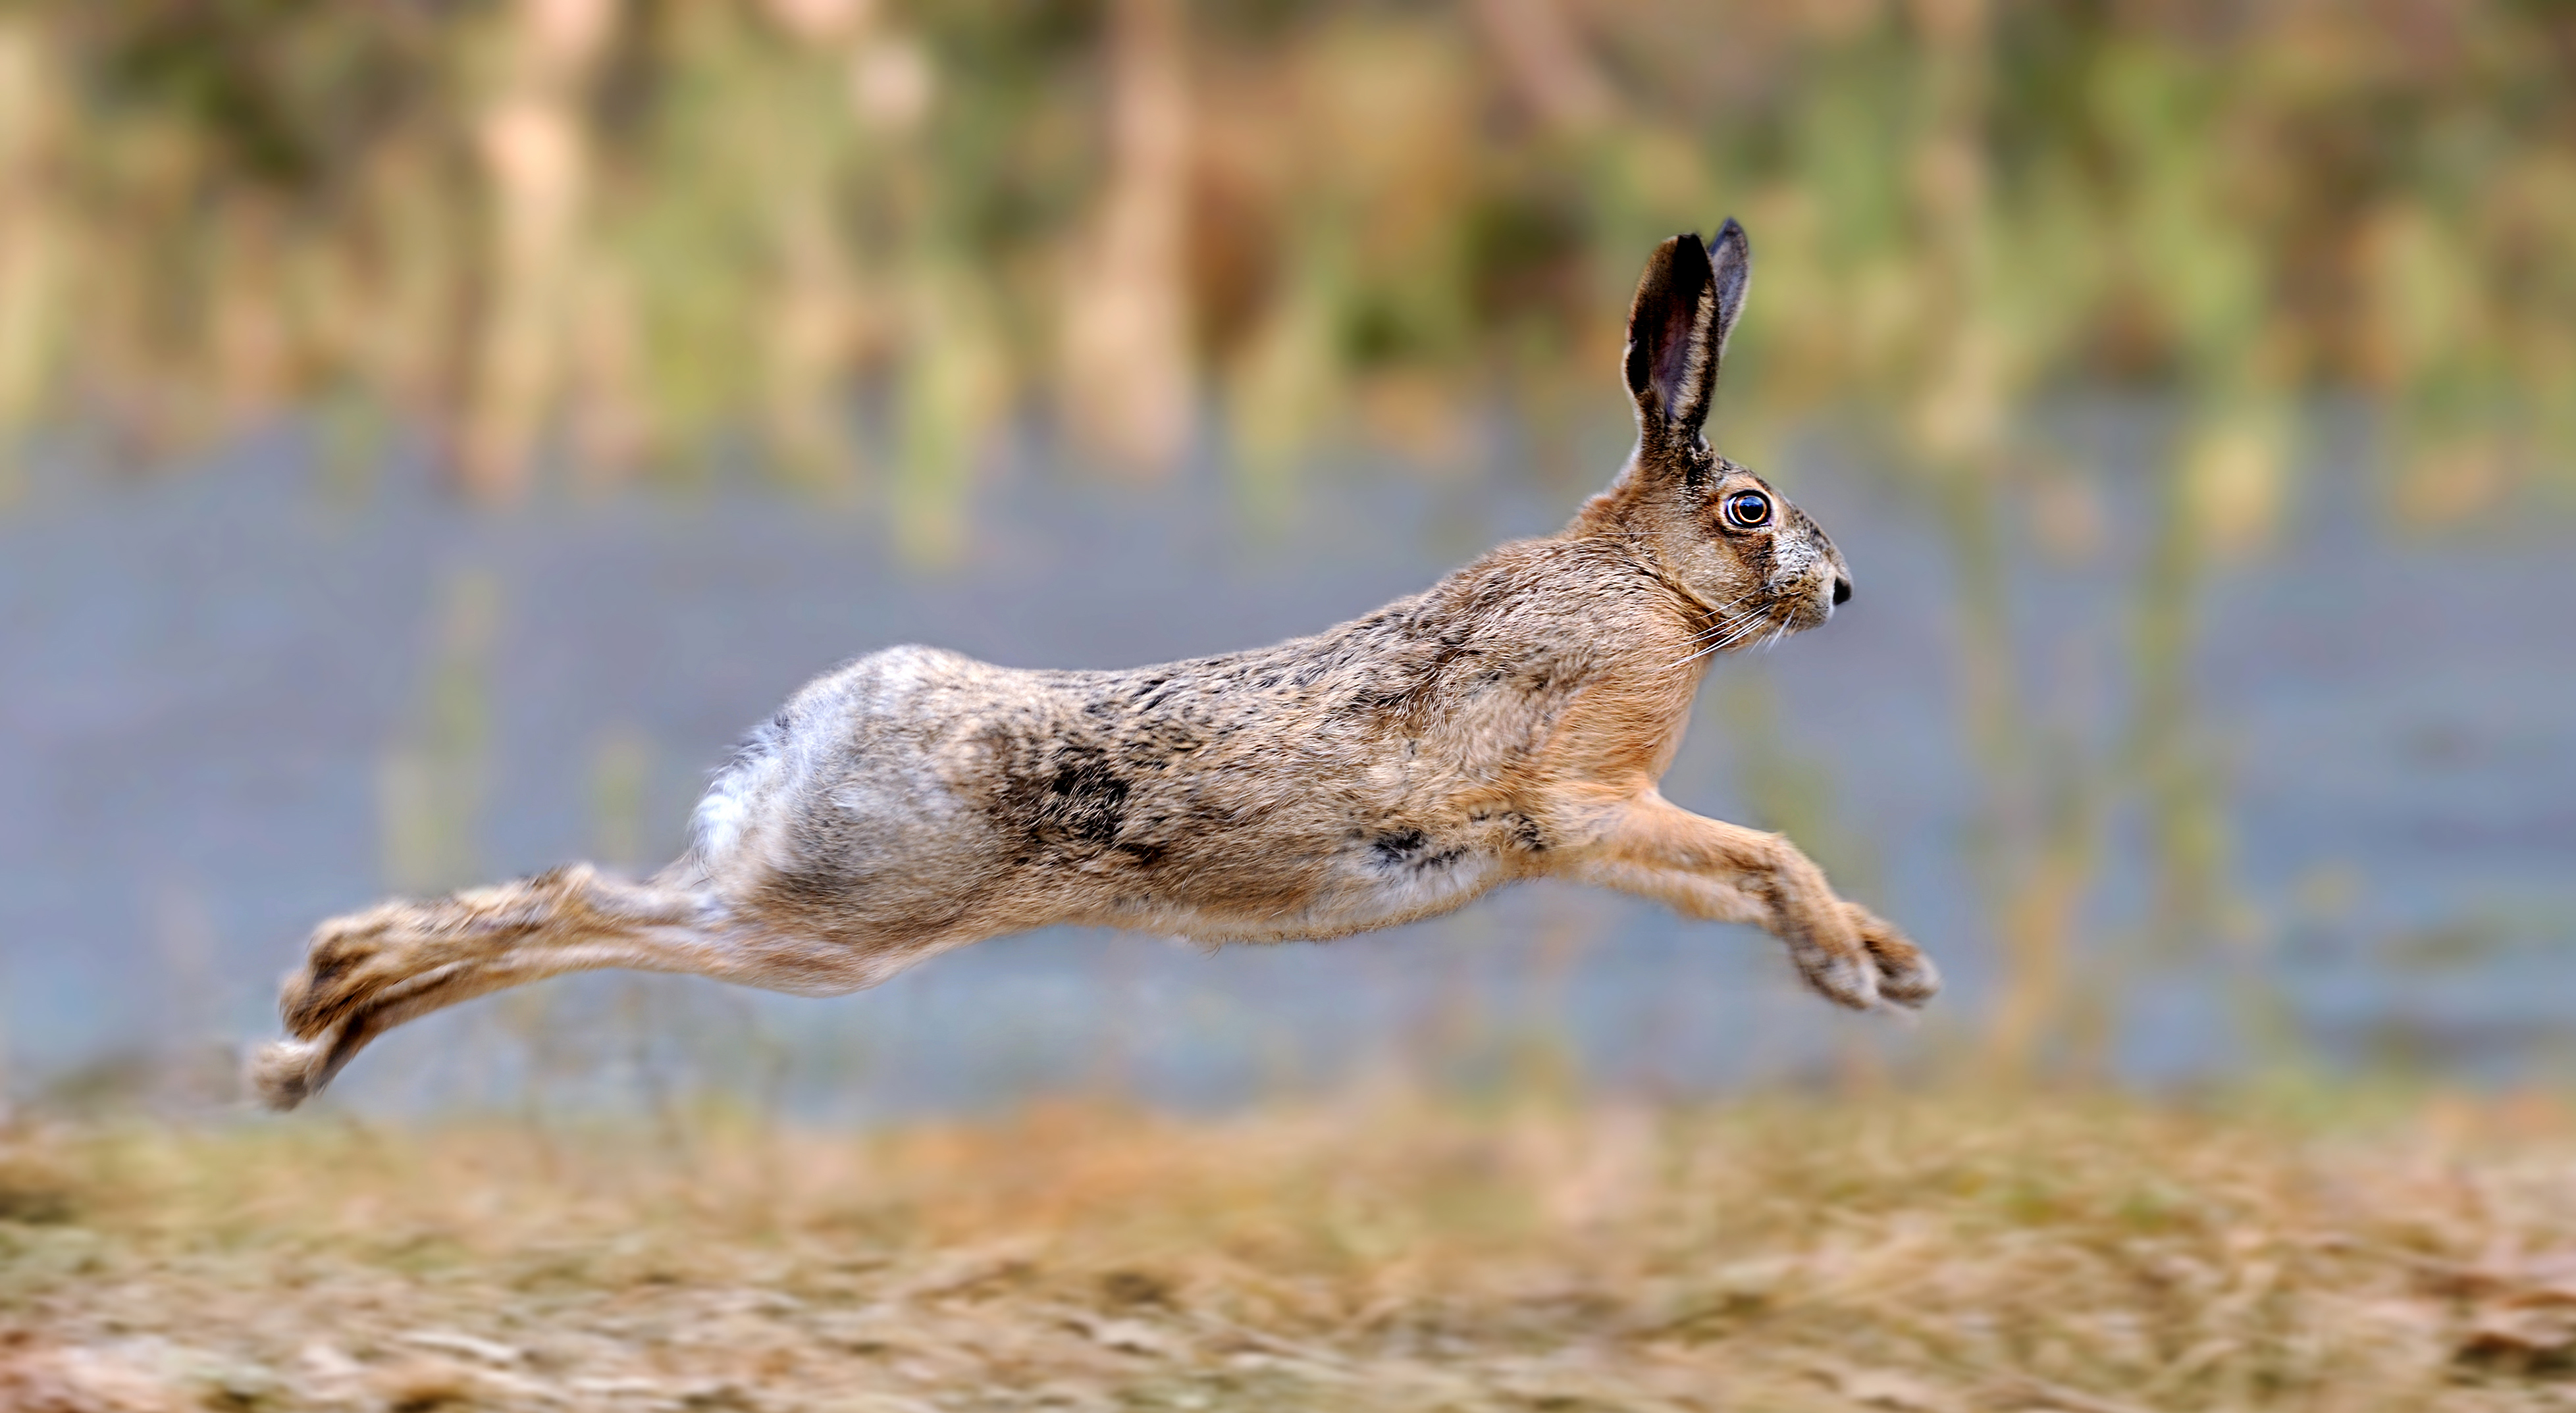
370,971
1707,868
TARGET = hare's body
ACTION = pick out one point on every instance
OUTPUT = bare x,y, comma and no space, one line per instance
1389,769
1508,723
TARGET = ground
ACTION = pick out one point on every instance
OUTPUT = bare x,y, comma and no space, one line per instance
2084,1253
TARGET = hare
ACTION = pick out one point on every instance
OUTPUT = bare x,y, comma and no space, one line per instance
1508,723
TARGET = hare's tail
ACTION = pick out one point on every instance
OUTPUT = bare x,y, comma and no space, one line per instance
367,972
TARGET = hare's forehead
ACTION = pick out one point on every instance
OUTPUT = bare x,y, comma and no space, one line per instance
1722,470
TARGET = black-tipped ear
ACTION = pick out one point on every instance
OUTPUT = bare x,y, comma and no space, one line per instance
1685,307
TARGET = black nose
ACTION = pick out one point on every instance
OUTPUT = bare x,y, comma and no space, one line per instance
1842,589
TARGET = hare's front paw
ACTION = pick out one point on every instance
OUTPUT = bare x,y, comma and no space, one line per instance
1838,965
1906,977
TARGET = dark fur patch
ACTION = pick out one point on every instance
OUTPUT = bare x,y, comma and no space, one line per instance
1084,799
1411,849
1399,846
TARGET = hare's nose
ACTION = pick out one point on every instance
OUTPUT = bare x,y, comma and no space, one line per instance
1842,589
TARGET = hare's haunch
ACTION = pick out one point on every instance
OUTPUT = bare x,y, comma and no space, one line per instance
1508,723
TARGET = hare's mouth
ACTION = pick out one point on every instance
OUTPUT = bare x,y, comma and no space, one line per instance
1816,608
1799,614
1797,611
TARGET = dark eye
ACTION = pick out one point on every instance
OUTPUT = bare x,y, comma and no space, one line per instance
1747,510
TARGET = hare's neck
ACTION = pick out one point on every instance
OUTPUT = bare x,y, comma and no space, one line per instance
1658,651
1617,519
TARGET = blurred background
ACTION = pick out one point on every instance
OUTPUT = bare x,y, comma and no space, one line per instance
432,430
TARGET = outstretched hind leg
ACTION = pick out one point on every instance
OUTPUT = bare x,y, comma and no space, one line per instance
363,961
368,972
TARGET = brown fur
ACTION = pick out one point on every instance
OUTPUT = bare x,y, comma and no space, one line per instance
1510,722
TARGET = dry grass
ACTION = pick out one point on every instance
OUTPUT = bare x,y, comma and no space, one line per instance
1912,1254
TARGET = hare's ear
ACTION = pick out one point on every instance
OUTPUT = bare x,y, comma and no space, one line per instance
1677,328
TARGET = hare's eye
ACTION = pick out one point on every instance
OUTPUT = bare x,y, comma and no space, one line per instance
1746,510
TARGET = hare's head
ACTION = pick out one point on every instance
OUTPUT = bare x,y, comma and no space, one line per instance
1717,529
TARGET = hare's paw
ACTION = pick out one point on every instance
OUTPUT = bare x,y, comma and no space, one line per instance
288,1072
1837,966
351,958
1906,977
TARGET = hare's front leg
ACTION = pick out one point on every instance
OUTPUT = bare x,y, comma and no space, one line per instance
1707,868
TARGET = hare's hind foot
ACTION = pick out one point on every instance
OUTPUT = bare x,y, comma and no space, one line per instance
288,1072
347,966
366,972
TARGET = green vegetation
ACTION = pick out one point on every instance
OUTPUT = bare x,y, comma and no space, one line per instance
603,230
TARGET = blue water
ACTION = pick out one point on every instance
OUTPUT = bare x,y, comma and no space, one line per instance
202,674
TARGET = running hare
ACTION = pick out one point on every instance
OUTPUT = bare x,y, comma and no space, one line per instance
1508,723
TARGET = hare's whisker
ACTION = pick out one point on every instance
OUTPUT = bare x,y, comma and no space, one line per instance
1746,623
1724,620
